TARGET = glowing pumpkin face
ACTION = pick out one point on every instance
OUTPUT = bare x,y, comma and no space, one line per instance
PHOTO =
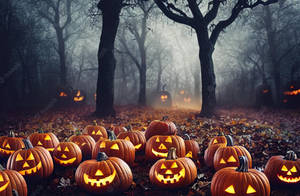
79,97
158,146
137,138
164,98
67,154
86,143
3,183
95,131
62,94
9,180
187,100
9,144
192,149
46,140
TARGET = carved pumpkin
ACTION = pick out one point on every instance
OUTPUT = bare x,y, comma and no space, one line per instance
118,129
32,162
67,154
228,156
164,99
46,140
115,148
9,144
291,96
215,143
158,127
12,180
282,170
104,175
240,181
137,138
192,148
158,146
173,172
85,142
95,131
78,97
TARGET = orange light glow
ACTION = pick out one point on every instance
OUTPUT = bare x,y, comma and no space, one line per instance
63,94
265,91
295,92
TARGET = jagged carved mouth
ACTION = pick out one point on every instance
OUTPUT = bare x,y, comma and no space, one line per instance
2,188
31,170
100,182
6,151
171,179
288,179
159,154
65,162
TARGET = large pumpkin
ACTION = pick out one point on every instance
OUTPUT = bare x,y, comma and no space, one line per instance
9,144
173,172
67,154
11,180
104,175
158,146
228,156
32,162
240,181
158,127
215,143
113,147
137,138
46,140
192,148
85,142
95,131
282,170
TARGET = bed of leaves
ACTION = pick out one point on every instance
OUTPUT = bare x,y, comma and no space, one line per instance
264,132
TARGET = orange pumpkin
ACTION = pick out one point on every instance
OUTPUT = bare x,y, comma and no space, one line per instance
215,143
192,148
9,144
137,138
95,131
85,142
158,127
47,140
67,154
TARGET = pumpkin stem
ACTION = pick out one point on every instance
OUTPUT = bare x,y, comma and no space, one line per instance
1,168
165,118
27,143
41,130
101,156
229,140
171,154
189,138
11,133
291,155
111,135
221,133
243,167
78,132
95,123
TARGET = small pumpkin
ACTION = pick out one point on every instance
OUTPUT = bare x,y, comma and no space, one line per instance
9,144
173,172
215,143
95,131
240,181
282,170
114,147
78,96
104,175
11,180
158,146
192,148
228,156
31,162
158,127
46,140
137,138
67,154
85,142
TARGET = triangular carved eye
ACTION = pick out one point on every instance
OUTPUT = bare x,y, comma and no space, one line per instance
284,168
231,159
30,157
250,189
127,138
163,166
102,145
39,143
293,169
157,140
174,165
66,149
19,158
169,139
230,189
215,141
47,137
93,133
98,133
222,161
7,146
58,148
115,147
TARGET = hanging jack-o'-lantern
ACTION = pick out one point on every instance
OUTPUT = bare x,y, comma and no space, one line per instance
12,180
9,144
173,172
228,156
158,146
114,147
282,170
163,127
104,175
240,181
32,162
95,131
67,154
78,97
47,140
85,142
192,148
215,143
137,138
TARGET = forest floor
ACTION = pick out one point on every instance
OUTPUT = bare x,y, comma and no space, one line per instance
264,132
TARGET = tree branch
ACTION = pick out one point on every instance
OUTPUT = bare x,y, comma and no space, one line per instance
212,14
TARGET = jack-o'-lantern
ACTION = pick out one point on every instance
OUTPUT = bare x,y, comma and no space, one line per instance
240,181
12,180
158,146
192,148
115,148
282,170
67,154
104,175
291,96
85,142
46,140
173,172
95,131
137,138
9,144
78,97
187,100
32,162
228,156
215,143
158,127
164,99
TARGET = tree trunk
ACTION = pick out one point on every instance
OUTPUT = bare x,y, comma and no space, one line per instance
207,74
159,73
197,86
142,92
106,60
62,56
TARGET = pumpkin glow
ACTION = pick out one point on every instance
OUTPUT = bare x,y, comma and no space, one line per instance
99,182
163,98
294,92
78,97
67,154
3,187
63,94
9,144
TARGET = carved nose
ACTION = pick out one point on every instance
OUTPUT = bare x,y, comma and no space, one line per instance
289,173
162,147
25,164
